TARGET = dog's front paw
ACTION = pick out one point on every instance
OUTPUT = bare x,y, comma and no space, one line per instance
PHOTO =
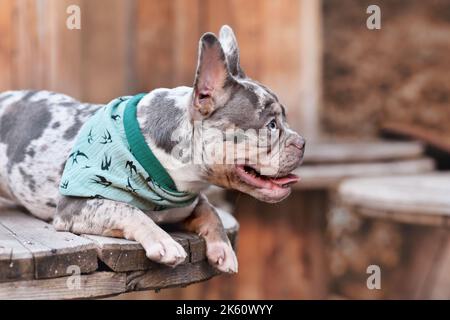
221,255
166,251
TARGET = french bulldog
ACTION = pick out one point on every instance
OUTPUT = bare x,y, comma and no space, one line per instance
38,130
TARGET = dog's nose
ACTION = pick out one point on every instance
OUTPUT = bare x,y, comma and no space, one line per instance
299,143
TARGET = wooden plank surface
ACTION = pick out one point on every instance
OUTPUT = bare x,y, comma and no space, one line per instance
122,255
325,176
50,253
361,152
92,285
31,251
16,261
417,199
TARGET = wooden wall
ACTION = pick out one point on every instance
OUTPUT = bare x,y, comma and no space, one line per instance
128,46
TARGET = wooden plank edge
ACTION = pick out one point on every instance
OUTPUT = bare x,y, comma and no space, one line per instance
60,265
105,284
13,270
167,277
93,285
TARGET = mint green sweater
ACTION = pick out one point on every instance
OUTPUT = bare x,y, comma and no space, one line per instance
111,160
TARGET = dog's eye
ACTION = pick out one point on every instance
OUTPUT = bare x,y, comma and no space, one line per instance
272,125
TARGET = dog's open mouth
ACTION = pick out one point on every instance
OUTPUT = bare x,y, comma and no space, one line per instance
252,177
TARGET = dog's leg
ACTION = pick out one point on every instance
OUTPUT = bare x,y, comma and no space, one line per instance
111,218
205,221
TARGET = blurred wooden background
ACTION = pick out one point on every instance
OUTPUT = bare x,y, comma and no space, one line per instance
129,46
397,76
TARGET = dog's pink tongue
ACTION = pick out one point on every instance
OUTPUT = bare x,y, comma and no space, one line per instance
289,179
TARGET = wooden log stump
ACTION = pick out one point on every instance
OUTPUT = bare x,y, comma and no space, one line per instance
416,209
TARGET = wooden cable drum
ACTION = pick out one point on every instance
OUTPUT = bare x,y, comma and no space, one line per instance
325,165
416,199
416,210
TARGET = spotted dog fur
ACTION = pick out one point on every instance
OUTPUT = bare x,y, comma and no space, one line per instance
38,130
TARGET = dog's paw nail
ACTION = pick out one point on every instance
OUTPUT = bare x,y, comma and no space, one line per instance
222,256
166,251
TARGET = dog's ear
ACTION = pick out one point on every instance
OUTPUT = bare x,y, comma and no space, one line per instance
212,74
231,49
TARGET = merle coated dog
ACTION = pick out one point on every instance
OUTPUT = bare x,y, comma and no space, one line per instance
38,130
